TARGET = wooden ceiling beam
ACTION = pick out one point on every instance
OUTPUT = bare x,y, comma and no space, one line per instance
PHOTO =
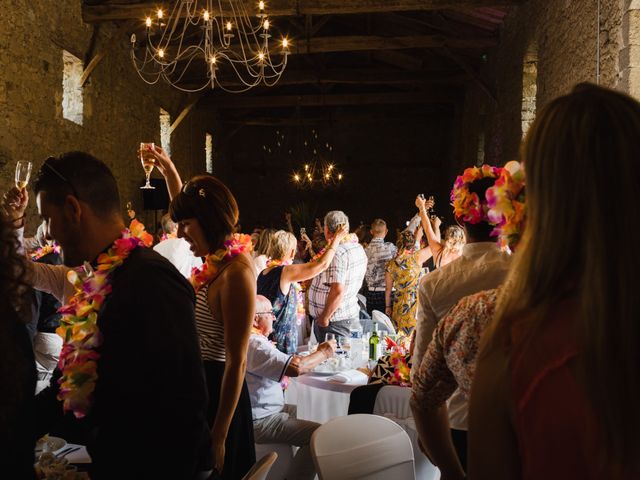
441,95
367,76
276,8
355,43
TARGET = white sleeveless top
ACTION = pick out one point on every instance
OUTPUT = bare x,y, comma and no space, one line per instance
210,330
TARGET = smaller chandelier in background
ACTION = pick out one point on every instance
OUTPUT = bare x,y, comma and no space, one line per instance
318,168
218,41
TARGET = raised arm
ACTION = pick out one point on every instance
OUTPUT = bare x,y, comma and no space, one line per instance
432,238
237,307
304,271
168,170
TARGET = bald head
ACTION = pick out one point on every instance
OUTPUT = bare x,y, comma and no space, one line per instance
264,318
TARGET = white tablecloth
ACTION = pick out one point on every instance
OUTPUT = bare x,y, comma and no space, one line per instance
318,398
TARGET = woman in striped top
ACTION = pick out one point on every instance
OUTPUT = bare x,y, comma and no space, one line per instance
207,213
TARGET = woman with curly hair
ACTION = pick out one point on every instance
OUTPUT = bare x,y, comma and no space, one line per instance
17,368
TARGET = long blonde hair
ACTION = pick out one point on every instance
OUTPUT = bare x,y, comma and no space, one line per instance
581,160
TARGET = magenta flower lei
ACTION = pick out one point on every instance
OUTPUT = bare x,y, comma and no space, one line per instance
44,251
79,324
467,205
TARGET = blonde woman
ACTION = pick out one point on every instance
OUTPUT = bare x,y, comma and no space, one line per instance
556,390
278,282
444,250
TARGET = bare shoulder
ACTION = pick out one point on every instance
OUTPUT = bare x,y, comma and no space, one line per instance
239,267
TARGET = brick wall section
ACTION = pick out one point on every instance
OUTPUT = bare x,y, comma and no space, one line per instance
119,109
563,32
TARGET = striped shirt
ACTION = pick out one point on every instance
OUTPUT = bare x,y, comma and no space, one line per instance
210,330
348,268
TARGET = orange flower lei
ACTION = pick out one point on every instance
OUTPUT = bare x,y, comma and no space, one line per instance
401,370
506,201
468,205
79,324
44,251
239,243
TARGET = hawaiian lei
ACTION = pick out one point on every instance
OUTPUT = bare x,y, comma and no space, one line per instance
300,313
79,324
44,251
506,202
401,370
468,205
239,243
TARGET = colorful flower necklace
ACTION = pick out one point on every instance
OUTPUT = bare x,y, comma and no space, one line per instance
467,205
300,312
506,205
239,243
167,236
79,324
44,251
398,358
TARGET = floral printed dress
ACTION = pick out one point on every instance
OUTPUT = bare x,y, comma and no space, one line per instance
285,308
406,273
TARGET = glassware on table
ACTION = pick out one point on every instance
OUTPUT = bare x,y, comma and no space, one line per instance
312,345
148,162
23,174
329,336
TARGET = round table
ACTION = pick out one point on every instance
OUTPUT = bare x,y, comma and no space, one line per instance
320,399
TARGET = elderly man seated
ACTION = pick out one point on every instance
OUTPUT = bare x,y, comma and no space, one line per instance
273,421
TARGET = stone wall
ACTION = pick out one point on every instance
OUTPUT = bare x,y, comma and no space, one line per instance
561,37
119,109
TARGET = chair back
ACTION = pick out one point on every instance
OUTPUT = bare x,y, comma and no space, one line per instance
362,447
261,468
392,402
381,319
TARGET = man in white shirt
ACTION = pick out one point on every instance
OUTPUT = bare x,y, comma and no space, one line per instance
333,301
273,421
378,253
482,266
176,250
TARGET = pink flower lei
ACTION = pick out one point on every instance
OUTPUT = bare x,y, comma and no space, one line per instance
79,324
239,243
468,205
506,202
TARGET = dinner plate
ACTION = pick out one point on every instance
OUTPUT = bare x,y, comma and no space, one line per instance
54,444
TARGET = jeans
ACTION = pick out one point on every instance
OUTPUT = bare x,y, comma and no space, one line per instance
339,328
284,427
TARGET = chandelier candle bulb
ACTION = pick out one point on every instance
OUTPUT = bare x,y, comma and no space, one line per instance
205,16
148,22
161,53
229,26
266,24
261,5
160,14
285,43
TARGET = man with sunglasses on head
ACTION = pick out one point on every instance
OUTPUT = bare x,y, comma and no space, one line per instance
273,421
147,336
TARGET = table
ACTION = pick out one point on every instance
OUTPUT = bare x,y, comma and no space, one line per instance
318,399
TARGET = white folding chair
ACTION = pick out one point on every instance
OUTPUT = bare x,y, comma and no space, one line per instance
382,319
261,468
285,456
392,402
362,447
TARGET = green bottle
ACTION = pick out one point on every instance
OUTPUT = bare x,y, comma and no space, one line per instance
373,343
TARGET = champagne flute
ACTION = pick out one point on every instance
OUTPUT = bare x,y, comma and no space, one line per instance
23,174
148,162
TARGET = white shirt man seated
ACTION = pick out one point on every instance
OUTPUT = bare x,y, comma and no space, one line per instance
273,421
177,250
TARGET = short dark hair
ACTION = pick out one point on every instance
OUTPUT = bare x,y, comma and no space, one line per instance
481,231
82,175
209,201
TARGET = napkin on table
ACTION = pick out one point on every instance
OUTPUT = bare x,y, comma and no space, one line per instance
349,376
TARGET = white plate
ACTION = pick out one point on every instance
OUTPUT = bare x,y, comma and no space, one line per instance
54,444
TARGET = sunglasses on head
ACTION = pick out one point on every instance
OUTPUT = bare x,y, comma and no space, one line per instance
52,169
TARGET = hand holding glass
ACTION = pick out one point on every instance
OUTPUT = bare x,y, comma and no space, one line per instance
23,174
148,162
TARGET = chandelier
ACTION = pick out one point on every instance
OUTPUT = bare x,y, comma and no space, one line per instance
210,44
317,168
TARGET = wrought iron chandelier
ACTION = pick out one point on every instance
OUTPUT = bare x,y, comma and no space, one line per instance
317,167
218,41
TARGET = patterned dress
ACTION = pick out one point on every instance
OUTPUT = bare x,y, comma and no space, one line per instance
285,308
406,273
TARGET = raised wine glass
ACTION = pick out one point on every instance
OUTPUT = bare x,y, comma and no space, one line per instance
23,174
148,162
